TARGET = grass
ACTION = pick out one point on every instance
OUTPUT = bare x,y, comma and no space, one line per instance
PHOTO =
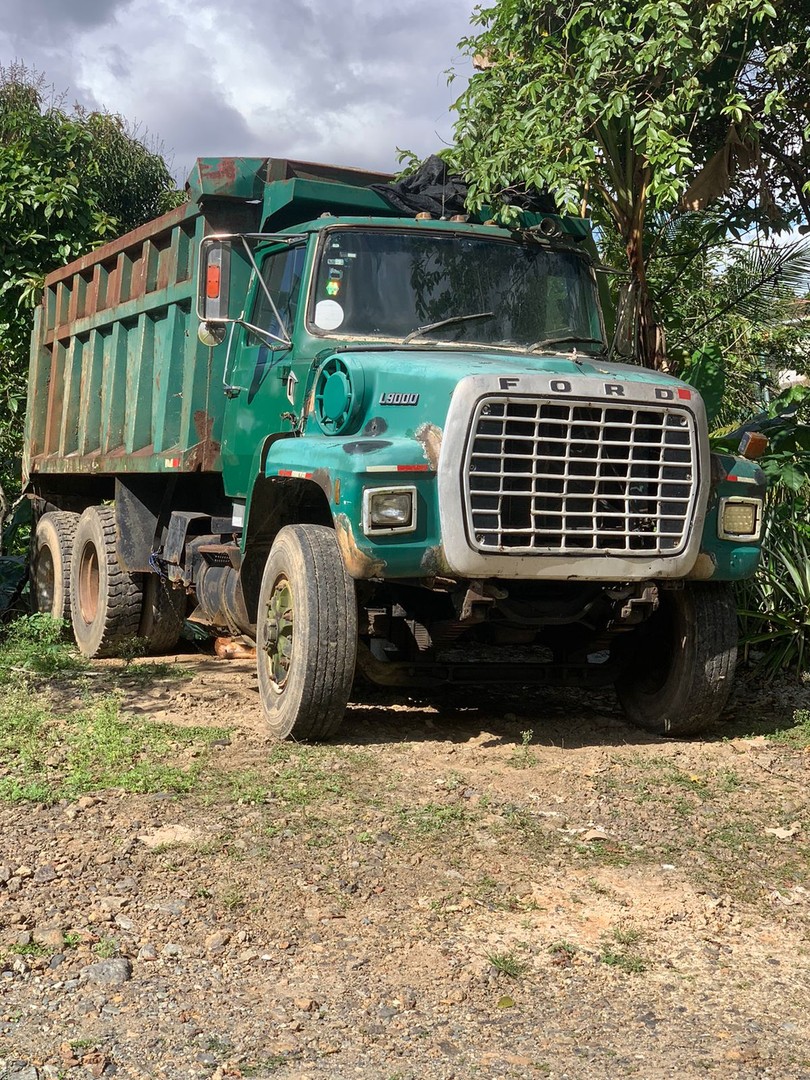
300,776
617,950
797,737
522,757
431,819
508,963
49,752
106,948
33,948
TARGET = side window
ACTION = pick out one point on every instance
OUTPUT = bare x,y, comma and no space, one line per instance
281,272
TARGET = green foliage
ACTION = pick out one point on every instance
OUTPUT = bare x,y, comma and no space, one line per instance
69,180
47,754
636,113
603,98
35,646
775,605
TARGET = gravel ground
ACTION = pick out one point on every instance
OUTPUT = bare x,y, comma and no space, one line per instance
431,895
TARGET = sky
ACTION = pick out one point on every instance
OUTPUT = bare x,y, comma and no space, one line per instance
342,82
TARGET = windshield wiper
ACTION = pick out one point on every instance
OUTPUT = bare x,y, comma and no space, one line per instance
561,339
446,322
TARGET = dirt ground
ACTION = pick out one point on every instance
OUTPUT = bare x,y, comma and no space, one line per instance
526,887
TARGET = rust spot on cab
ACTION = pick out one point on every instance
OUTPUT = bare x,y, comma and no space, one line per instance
323,479
430,437
205,454
434,563
359,563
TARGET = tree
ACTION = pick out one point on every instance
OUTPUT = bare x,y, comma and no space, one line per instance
69,180
631,111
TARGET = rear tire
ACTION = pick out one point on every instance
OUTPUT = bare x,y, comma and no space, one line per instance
162,615
306,634
105,599
680,663
51,550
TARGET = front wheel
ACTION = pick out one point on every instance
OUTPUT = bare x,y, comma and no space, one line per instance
679,665
306,634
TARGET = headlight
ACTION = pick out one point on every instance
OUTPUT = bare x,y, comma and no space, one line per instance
388,510
739,519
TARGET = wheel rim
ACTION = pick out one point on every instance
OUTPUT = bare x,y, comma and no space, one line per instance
88,583
278,634
44,580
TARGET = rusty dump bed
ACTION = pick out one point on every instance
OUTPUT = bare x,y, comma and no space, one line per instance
119,382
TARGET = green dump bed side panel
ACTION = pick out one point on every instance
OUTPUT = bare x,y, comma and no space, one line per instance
119,382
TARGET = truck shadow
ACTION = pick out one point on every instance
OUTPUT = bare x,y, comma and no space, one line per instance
552,717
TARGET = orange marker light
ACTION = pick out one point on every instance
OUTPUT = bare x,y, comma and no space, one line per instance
212,281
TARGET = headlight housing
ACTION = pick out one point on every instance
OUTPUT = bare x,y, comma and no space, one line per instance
389,510
739,518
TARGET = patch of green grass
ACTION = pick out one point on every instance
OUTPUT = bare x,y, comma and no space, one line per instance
232,897
626,935
71,940
728,780
630,963
430,818
45,756
300,776
35,645
33,948
617,949
270,1064
797,736
522,756
508,963
106,948
562,948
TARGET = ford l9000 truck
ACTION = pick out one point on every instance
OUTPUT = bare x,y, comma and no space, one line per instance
378,445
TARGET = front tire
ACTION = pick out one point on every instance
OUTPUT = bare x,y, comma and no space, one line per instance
105,599
51,551
306,634
679,665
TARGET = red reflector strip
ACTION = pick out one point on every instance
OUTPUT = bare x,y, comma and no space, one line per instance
730,477
295,473
684,395
398,468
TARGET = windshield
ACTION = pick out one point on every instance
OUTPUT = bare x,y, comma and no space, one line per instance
381,283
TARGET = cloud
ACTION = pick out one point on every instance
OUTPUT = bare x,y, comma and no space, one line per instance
342,82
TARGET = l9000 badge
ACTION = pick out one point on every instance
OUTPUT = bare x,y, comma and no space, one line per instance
399,399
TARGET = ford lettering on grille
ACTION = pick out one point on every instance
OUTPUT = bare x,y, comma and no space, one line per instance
568,476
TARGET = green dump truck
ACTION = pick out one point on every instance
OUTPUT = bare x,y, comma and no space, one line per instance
379,446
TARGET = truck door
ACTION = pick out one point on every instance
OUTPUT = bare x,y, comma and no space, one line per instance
260,382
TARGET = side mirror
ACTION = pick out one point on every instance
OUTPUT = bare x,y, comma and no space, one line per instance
214,284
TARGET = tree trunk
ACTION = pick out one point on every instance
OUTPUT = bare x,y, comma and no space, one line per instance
650,341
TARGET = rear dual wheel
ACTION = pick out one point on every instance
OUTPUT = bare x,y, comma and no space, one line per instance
51,553
105,599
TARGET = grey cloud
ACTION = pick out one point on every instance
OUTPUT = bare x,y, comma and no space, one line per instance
50,20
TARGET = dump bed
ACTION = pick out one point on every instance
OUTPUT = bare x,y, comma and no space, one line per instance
118,380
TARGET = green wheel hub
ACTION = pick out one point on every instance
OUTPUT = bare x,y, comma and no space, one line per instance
278,642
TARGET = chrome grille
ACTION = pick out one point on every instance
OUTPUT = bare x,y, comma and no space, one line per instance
570,477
